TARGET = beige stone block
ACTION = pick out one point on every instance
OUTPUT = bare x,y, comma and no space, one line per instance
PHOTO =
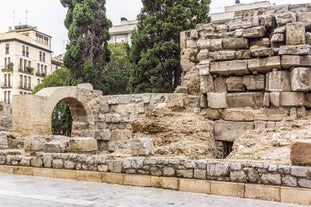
82,144
300,152
249,99
222,55
295,33
210,113
278,81
254,32
210,44
230,131
22,170
6,169
259,51
262,192
300,79
43,172
275,99
206,84
113,178
137,180
227,189
295,60
296,195
138,108
239,114
254,82
235,67
91,176
292,99
217,100
268,115
220,84
64,174
235,43
262,42
307,100
165,182
235,84
294,50
264,64
195,186
305,17
243,54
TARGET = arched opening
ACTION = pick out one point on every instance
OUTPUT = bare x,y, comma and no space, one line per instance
69,118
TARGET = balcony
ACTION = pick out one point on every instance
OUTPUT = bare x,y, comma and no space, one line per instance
42,75
24,88
5,86
28,70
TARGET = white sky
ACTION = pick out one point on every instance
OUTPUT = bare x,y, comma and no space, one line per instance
49,15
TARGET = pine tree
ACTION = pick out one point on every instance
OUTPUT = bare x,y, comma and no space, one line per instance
88,33
155,50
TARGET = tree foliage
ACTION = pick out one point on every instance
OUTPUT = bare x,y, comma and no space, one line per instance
155,50
61,116
88,33
116,73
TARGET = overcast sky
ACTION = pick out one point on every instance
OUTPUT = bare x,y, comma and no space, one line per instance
48,15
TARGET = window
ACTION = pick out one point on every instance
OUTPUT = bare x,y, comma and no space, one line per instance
27,51
38,68
5,96
20,64
43,56
21,81
29,63
29,82
9,80
7,48
25,82
23,50
5,78
45,69
9,97
25,64
40,56
120,38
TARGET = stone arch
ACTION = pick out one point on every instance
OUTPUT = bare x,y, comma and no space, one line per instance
37,110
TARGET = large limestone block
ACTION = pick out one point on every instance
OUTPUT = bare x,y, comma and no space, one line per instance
254,32
244,54
235,43
58,144
235,67
295,60
262,42
295,33
210,44
295,50
284,18
254,82
305,18
222,55
275,99
260,51
251,99
34,143
264,64
206,84
220,84
235,84
300,152
203,55
230,131
3,141
278,81
307,100
278,38
300,79
308,38
217,100
239,114
82,144
292,99
142,146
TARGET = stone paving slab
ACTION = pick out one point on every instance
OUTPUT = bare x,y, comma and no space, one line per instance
25,191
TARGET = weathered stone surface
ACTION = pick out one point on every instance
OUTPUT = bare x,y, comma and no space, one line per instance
307,100
220,84
264,64
235,43
278,81
295,50
191,43
58,144
254,32
230,131
280,30
271,193
222,55
142,146
210,44
261,51
235,84
207,27
203,55
262,42
308,38
194,34
295,60
3,141
217,100
203,68
237,67
300,79
236,100
238,114
34,143
292,99
278,38
295,33
82,144
305,18
284,18
209,113
254,83
243,54
289,181
275,99
206,84
274,179
300,152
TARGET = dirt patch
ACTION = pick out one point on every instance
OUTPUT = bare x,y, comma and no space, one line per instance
273,144
177,134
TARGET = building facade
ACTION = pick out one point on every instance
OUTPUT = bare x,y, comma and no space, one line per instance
123,32
25,59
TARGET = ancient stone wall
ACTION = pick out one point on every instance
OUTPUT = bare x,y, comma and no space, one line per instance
251,72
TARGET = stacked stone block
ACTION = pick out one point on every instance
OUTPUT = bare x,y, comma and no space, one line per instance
260,61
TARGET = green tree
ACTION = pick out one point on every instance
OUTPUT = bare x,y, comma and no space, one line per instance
155,50
88,33
61,116
116,73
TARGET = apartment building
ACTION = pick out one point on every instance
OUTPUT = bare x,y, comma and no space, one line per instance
25,59
123,32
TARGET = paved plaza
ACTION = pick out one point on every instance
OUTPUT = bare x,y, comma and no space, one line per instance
25,191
